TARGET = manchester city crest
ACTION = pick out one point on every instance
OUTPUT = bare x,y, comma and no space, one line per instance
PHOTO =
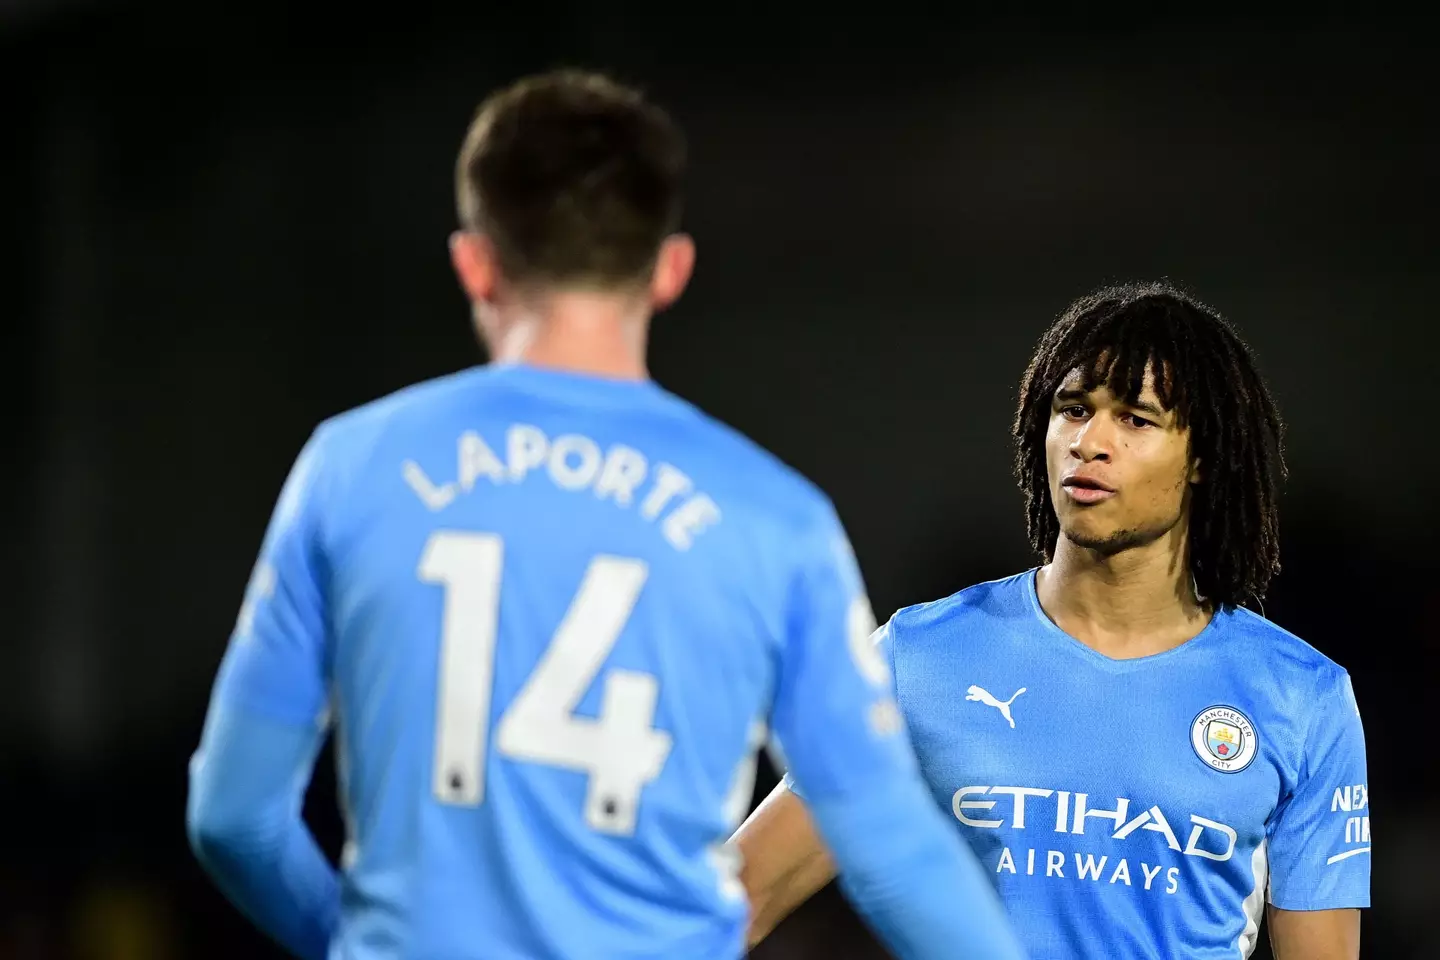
1224,738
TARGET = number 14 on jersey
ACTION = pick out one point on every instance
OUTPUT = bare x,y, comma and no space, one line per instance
619,749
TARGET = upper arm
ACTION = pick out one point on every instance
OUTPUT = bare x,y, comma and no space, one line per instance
1319,839
1315,934
266,716
835,713
275,663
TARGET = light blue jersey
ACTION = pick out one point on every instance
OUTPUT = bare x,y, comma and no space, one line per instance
551,619
1136,808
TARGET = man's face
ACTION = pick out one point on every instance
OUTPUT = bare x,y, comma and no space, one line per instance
1119,473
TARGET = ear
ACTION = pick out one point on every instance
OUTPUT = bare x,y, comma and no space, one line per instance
473,257
673,267
1196,474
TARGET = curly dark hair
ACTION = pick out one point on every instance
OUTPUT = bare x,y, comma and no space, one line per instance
1211,383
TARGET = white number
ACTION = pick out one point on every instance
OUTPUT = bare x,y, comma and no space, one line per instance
468,566
619,749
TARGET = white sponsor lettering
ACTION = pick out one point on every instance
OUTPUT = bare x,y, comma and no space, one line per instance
1208,839
1349,798
1352,798
1089,867
1193,848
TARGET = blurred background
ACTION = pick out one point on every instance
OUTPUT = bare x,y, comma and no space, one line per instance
225,223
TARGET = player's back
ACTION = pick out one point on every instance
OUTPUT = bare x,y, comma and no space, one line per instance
556,604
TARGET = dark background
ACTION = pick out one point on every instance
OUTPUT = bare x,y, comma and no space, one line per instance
226,222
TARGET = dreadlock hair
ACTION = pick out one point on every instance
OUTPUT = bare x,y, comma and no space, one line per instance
1203,372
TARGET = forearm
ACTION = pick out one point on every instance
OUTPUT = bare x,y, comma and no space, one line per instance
904,868
245,827
775,896
783,861
278,877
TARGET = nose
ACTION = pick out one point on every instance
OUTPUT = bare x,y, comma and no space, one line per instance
1093,440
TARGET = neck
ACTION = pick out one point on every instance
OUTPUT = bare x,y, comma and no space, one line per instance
598,334
1134,603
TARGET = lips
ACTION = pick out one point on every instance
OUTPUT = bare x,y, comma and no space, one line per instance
1087,490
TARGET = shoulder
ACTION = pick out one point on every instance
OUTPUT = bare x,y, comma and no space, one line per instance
1004,598
748,479
757,467
355,426
341,446
1289,671
1284,654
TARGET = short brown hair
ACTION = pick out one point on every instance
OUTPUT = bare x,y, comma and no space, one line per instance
574,178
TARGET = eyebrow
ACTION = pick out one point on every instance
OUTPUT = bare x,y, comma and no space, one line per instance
1070,396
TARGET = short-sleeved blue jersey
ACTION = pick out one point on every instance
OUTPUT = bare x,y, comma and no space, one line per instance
1136,808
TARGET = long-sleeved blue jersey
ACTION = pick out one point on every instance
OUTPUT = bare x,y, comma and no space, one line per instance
551,618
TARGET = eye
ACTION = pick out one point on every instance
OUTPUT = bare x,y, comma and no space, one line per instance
1139,422
1074,412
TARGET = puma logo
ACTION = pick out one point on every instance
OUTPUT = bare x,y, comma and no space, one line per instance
981,695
